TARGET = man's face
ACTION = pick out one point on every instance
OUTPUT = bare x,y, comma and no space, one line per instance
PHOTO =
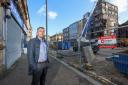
41,33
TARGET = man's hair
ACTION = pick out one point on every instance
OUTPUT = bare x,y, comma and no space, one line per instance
40,28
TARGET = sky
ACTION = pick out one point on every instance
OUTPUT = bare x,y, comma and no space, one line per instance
62,13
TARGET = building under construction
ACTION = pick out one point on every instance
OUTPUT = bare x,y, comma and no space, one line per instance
105,16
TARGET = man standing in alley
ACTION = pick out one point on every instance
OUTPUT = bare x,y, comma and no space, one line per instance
37,58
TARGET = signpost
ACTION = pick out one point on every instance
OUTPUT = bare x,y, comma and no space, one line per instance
107,42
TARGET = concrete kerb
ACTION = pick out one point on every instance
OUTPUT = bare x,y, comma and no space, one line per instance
88,78
96,78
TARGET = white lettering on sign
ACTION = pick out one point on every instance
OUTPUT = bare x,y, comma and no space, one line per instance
107,40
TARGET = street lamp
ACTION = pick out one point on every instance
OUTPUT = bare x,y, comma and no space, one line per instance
46,2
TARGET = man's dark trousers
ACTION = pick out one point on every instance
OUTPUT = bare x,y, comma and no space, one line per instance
39,75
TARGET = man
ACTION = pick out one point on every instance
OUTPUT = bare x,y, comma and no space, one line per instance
37,58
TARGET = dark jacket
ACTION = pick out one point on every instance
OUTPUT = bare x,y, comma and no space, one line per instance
33,50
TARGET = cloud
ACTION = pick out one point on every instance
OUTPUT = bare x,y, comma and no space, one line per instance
42,9
122,8
93,0
122,5
51,14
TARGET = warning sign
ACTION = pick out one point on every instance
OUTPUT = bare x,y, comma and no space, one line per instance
107,42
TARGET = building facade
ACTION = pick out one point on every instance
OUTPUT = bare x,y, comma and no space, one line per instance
85,17
80,26
105,17
66,34
122,34
57,37
73,31
123,30
14,27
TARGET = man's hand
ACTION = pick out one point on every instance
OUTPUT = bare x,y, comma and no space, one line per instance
34,67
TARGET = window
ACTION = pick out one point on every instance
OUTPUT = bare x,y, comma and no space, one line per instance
106,6
103,5
113,7
116,8
103,11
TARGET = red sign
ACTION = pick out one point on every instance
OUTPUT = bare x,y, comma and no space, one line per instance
108,46
107,42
